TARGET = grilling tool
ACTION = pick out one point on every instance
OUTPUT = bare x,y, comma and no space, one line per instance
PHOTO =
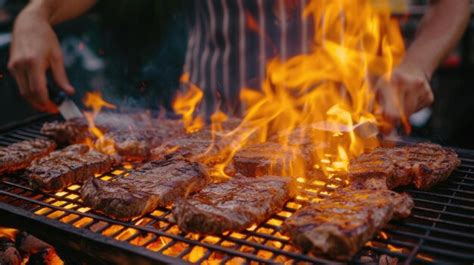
66,106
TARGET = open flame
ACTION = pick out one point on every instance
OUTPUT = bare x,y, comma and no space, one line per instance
185,104
323,98
102,143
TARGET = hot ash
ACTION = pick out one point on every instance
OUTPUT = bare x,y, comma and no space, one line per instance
324,98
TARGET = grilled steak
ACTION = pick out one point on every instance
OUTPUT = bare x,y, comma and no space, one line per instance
19,155
137,144
340,225
68,132
231,123
133,146
206,152
421,164
77,130
233,205
205,146
267,159
181,147
156,183
73,164
196,149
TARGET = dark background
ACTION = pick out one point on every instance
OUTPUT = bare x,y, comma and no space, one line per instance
132,51
136,49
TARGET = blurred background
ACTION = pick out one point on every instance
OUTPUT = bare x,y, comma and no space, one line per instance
133,51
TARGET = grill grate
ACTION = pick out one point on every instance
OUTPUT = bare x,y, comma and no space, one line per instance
440,229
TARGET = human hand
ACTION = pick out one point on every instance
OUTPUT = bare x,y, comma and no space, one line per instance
35,49
407,92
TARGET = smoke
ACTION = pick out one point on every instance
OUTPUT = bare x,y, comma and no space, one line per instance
133,53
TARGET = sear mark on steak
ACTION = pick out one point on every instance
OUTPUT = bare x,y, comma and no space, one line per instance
156,183
19,155
421,164
267,159
233,205
61,168
340,225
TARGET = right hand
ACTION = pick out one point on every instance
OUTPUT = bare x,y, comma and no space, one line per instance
407,92
35,49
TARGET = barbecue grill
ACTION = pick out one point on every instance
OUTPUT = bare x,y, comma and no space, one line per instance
439,230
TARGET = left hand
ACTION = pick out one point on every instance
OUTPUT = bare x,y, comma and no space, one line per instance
407,92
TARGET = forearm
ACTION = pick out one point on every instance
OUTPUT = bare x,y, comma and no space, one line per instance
57,11
439,31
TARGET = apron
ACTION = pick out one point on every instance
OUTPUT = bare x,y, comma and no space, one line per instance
231,41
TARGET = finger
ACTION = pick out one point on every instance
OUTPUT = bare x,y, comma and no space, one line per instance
394,105
59,74
412,103
37,87
22,81
388,99
405,109
427,98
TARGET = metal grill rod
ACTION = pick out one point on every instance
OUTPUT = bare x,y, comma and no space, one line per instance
440,212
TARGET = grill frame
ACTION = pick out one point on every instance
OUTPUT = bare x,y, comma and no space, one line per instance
415,234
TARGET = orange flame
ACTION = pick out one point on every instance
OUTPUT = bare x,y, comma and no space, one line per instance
95,101
9,233
325,97
424,257
185,104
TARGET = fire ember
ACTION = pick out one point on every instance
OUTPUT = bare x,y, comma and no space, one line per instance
22,248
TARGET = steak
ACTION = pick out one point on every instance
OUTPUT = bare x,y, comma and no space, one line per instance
20,155
268,159
231,124
195,145
233,205
181,147
200,150
340,225
156,183
421,164
206,146
137,144
61,168
77,130
68,132
203,151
